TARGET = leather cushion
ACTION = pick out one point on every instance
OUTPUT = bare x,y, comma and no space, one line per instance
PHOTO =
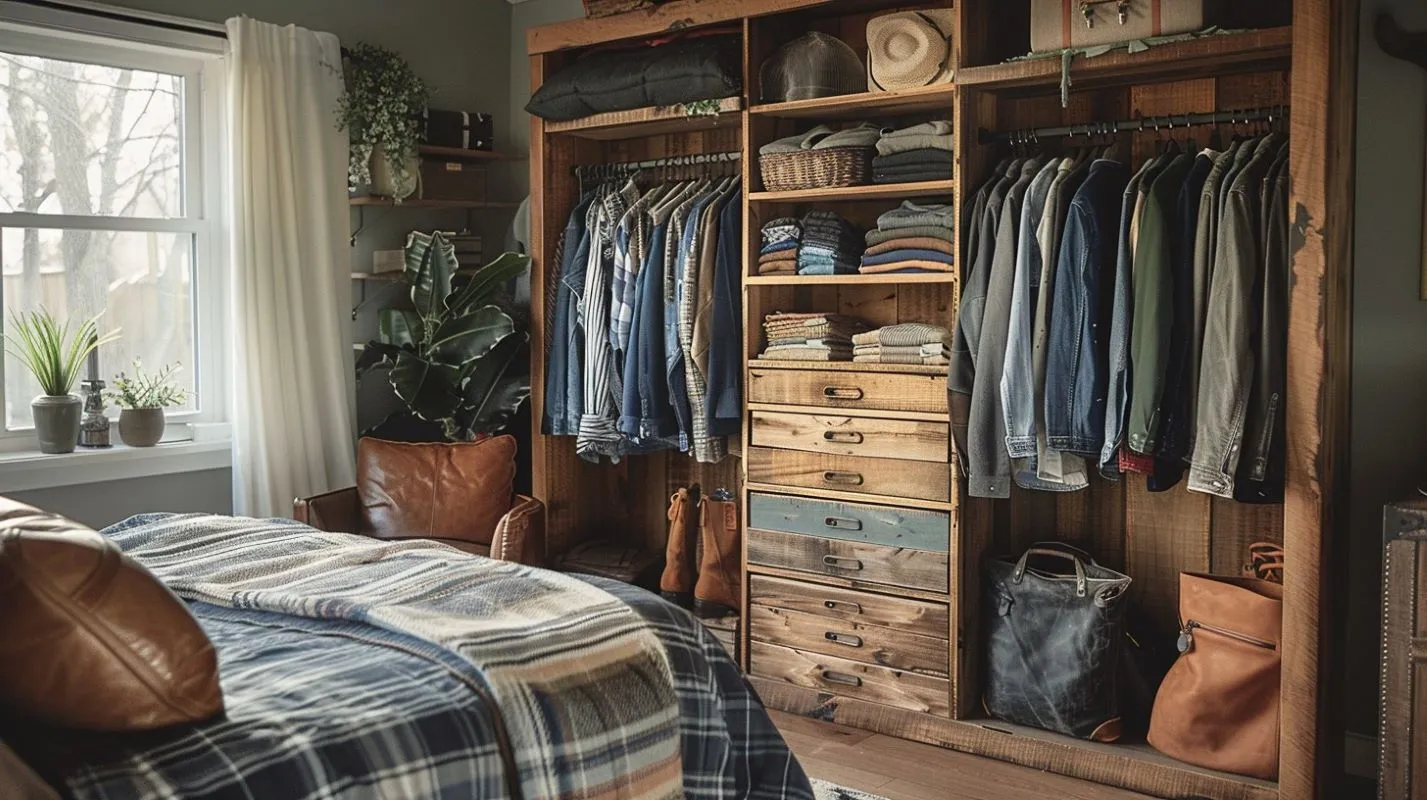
90,639
443,491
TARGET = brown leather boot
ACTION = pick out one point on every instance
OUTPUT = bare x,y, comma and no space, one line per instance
719,590
681,552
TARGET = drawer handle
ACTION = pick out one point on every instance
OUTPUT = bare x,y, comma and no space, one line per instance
843,523
845,437
832,676
842,392
843,638
834,605
840,562
843,478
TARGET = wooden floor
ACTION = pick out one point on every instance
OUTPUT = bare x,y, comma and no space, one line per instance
903,770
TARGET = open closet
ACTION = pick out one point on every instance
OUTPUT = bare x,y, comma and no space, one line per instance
864,541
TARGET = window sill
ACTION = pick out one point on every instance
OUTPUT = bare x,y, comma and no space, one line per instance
21,472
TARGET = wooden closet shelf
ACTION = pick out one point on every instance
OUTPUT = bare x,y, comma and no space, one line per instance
847,366
928,99
416,202
653,121
1249,50
856,279
468,155
876,191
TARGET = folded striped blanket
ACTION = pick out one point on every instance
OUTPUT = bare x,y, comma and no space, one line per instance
578,681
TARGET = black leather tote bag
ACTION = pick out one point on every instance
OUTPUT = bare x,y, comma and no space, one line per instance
1055,625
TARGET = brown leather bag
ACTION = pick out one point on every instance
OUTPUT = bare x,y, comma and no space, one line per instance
1219,705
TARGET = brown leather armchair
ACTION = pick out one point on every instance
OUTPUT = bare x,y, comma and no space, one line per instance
519,537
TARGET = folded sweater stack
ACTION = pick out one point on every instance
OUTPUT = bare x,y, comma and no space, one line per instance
779,253
829,246
918,153
907,343
822,137
810,337
911,238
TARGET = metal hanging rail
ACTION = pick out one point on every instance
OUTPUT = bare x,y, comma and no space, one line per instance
603,171
1269,114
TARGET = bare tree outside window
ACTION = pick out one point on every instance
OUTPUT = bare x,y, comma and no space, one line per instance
88,140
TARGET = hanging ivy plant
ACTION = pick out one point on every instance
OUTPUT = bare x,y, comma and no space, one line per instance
384,106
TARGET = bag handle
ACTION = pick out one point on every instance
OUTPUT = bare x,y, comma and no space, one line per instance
1069,549
1080,580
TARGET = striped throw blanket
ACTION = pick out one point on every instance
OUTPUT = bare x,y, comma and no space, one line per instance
579,682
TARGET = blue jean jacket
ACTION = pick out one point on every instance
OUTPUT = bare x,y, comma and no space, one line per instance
559,418
646,412
1082,314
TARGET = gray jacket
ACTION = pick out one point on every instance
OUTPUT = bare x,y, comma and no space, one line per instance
988,464
1227,368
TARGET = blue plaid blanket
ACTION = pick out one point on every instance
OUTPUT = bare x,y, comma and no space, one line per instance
328,698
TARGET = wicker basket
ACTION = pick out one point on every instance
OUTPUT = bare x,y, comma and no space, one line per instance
811,169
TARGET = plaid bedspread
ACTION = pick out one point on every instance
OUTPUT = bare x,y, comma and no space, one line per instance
355,668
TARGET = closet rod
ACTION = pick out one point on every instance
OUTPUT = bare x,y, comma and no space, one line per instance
598,170
1169,122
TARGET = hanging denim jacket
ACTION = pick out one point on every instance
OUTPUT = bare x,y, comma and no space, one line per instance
1078,367
725,396
557,417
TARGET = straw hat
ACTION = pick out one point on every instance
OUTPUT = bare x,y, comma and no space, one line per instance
909,49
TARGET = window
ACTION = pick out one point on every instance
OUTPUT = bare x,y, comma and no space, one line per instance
110,205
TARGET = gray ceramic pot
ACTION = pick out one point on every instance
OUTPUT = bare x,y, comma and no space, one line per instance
141,427
57,420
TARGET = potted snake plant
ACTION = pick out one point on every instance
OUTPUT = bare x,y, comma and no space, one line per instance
54,354
142,398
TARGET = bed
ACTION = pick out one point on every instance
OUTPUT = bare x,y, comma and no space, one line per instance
356,668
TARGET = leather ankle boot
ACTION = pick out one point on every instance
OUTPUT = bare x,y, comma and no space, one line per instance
676,584
719,589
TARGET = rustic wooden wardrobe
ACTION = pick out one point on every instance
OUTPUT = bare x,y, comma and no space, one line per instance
845,627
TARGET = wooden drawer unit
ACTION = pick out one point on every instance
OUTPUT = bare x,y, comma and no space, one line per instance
852,436
841,676
890,477
871,390
855,522
863,608
869,644
893,566
1402,734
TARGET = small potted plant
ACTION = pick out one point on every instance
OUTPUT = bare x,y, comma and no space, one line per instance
383,109
54,353
142,398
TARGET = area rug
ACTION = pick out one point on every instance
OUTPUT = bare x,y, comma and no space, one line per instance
831,791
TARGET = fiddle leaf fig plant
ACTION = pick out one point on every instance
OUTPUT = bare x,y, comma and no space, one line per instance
455,359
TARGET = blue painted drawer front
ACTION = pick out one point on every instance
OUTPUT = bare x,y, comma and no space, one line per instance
884,525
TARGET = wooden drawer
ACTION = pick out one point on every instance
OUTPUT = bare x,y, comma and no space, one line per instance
869,644
885,476
855,522
894,566
853,436
871,390
862,608
850,679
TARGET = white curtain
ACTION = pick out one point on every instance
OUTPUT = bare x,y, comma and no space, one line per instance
293,369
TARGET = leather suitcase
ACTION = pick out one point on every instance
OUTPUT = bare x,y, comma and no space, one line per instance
1058,24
